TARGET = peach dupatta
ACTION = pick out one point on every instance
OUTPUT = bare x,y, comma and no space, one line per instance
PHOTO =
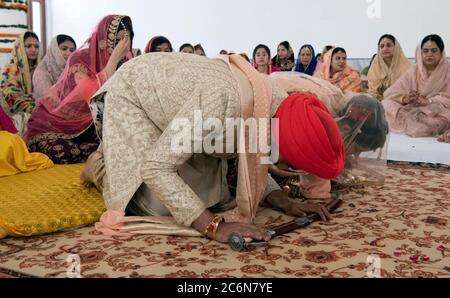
425,121
381,76
252,173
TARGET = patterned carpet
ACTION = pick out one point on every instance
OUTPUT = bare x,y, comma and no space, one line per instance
405,224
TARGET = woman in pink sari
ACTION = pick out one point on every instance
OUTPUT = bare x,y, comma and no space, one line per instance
62,126
418,104
336,70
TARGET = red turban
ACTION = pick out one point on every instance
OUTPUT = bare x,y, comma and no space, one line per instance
309,138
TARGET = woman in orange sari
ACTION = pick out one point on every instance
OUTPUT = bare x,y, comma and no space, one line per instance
337,72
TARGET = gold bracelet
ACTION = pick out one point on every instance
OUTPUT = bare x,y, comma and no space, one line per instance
402,100
213,226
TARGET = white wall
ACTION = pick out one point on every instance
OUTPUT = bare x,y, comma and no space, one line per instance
239,25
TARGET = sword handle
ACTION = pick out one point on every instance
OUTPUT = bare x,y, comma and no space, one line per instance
239,243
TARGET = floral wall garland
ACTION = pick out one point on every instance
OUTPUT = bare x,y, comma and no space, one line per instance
13,16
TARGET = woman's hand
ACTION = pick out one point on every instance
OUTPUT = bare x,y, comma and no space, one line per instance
120,52
411,98
422,101
122,48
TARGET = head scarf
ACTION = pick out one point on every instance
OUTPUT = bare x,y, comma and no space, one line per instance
155,41
65,108
49,70
365,121
381,76
290,58
435,83
16,84
348,80
311,68
434,86
308,136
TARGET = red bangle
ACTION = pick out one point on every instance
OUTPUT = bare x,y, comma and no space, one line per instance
213,226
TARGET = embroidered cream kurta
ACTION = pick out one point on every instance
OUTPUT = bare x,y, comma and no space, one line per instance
140,103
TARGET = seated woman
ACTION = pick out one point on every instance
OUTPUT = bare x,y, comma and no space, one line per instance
62,126
199,50
325,50
387,67
418,104
51,67
187,48
158,44
16,85
147,172
364,130
321,56
261,60
14,155
285,58
307,61
337,72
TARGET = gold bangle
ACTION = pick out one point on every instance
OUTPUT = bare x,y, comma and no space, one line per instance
213,226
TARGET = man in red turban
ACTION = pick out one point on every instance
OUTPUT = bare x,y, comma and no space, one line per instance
310,146
308,136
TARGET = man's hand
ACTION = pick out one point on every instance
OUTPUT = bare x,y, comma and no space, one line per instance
224,230
280,200
297,209
275,170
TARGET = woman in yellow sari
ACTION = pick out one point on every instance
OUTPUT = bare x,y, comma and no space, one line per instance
337,72
14,155
389,65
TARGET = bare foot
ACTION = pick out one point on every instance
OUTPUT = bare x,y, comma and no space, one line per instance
445,137
84,180
87,176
